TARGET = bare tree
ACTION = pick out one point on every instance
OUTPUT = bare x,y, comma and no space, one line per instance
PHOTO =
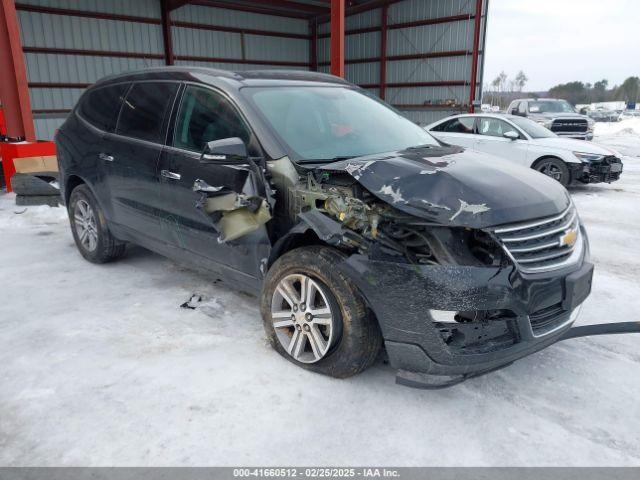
521,80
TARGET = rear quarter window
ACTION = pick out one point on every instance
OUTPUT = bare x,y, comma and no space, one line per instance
144,110
100,107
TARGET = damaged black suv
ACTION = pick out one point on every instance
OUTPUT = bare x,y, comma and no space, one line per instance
358,228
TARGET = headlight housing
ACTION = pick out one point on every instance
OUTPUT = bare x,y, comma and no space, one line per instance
545,123
588,157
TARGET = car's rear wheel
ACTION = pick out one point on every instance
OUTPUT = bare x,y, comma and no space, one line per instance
90,230
315,317
554,168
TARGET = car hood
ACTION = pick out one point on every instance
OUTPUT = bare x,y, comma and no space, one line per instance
572,145
554,115
454,186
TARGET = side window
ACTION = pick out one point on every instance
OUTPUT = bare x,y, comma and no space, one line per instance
100,107
513,106
144,109
522,108
492,127
459,125
205,116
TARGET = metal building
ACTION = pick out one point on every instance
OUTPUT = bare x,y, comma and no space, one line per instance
423,56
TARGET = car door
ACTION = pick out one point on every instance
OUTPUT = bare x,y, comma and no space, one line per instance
133,153
457,131
205,206
98,112
491,139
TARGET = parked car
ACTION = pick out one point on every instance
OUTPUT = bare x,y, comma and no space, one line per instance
354,225
556,115
629,114
604,115
525,142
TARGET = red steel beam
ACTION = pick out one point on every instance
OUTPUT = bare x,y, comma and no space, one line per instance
167,40
248,31
337,37
280,63
241,7
439,83
175,4
292,5
410,56
92,53
82,13
415,23
384,16
474,58
14,89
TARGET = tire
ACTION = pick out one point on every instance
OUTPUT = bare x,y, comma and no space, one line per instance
554,168
352,337
40,184
105,246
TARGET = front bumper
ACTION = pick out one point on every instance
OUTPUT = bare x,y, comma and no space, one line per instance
576,135
607,170
535,311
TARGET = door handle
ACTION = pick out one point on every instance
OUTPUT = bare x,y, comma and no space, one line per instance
105,157
170,175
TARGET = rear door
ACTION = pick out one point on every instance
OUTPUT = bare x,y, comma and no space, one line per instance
133,155
490,139
204,206
98,113
457,131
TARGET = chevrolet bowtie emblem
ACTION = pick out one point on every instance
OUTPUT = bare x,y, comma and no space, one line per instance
569,238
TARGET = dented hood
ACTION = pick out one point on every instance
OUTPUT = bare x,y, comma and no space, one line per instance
457,187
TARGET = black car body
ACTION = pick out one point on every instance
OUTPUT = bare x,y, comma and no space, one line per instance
556,115
467,262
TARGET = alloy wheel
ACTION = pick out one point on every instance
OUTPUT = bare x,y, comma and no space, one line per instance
85,223
302,318
550,170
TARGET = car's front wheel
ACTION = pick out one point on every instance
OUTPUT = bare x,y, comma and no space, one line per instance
315,317
554,168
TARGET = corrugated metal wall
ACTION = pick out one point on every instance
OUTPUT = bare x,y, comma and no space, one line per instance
58,79
423,104
61,49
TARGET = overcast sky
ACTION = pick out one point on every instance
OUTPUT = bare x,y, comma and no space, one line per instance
558,41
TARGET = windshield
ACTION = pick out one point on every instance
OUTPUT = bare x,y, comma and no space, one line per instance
551,106
533,129
328,123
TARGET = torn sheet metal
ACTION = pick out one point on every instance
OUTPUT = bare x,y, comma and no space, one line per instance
432,182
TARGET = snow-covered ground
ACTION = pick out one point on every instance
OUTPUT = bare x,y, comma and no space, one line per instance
100,366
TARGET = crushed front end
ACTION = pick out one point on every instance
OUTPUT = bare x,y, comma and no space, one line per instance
603,169
456,294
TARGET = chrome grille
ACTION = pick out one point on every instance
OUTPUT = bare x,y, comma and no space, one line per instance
569,125
543,245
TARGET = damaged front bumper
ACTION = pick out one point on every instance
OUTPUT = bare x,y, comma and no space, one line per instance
606,170
517,314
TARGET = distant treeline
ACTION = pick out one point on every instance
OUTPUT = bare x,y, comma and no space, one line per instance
501,91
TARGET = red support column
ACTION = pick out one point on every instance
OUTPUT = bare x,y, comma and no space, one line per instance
383,49
166,32
337,37
474,59
14,89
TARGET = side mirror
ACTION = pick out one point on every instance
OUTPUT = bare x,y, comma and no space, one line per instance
514,111
227,150
511,135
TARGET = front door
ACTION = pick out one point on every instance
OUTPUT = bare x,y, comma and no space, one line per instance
134,152
491,139
196,214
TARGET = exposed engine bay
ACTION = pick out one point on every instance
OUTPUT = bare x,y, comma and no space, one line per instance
380,230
